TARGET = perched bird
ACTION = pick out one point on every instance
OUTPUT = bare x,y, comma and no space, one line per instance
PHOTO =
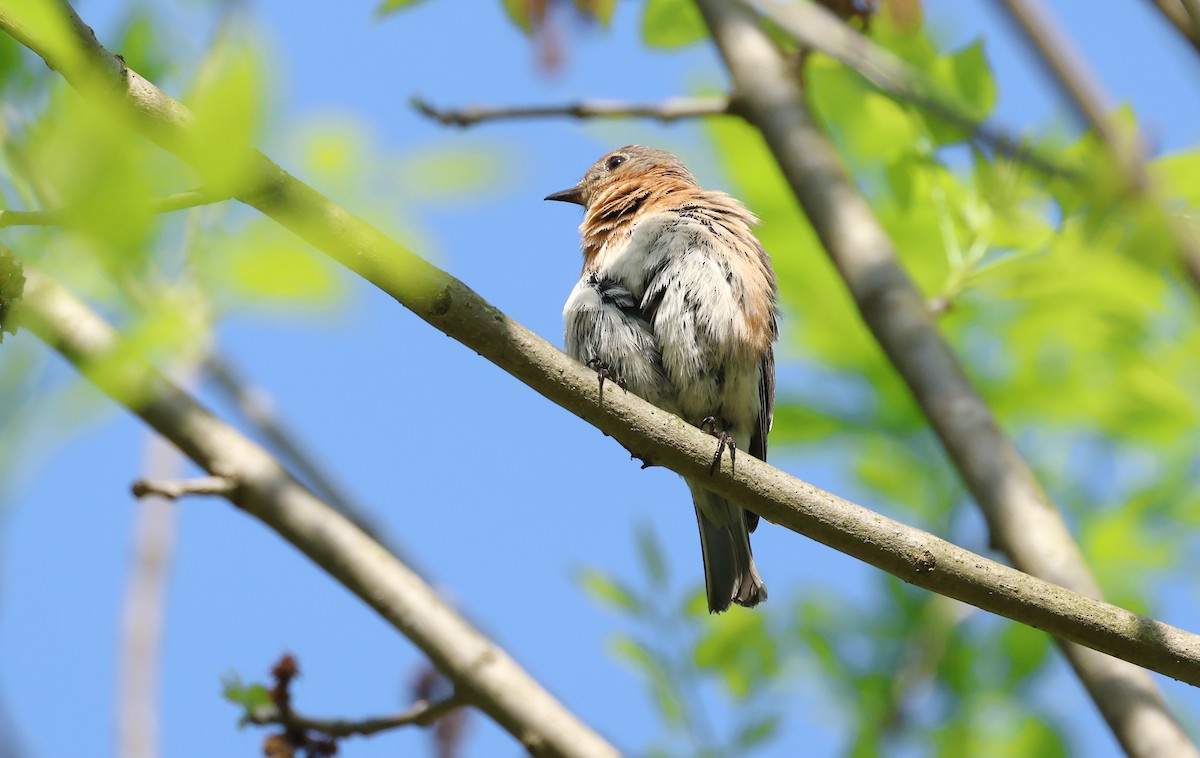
678,302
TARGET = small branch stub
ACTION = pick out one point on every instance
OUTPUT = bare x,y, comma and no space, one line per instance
172,489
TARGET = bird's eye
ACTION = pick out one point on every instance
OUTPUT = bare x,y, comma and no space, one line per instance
614,161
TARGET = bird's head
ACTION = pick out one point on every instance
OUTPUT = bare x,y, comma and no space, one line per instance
631,165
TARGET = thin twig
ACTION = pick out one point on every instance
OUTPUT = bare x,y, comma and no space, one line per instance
173,489
1021,519
421,714
1084,92
62,216
671,109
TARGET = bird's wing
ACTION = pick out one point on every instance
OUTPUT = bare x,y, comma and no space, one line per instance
766,414
766,407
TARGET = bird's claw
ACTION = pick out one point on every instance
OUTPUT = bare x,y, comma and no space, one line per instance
709,424
603,372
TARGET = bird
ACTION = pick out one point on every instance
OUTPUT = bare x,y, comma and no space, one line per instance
678,301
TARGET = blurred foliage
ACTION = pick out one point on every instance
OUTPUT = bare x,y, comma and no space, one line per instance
688,659
167,279
1062,295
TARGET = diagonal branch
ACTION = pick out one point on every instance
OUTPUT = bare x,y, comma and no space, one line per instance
483,673
1085,94
671,109
1022,520
267,492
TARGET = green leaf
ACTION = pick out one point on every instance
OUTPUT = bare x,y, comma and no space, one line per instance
635,653
695,604
957,665
671,24
142,46
965,79
441,174
609,591
520,12
1032,736
388,7
271,266
755,733
86,156
1180,174
227,100
1026,650
645,662
601,10
652,557
739,648
252,697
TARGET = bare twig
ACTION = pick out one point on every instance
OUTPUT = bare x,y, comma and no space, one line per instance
813,26
62,216
172,489
1182,18
1021,519
421,714
1085,94
671,109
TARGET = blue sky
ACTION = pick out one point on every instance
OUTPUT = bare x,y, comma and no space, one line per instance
500,495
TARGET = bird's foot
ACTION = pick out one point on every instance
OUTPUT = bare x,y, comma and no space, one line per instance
709,424
603,372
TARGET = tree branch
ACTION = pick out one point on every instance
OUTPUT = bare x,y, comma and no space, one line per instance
1022,520
271,495
671,109
422,713
483,673
1084,93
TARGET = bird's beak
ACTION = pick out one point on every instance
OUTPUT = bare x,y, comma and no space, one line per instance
572,195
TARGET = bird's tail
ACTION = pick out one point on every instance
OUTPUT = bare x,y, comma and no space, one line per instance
729,572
